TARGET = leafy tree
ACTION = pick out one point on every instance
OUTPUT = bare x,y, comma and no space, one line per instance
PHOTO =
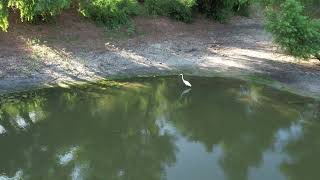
3,16
33,10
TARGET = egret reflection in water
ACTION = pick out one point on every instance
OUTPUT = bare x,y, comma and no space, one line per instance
185,92
139,129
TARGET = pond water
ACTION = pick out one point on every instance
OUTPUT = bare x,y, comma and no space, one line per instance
155,128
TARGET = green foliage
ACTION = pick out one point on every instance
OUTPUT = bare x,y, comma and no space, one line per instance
109,12
223,9
31,10
3,16
38,10
312,8
297,34
177,9
242,7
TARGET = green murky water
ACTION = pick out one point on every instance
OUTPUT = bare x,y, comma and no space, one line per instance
154,128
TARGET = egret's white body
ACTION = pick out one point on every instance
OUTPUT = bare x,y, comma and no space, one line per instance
187,83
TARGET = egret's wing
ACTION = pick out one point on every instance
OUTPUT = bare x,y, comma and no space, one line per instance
188,83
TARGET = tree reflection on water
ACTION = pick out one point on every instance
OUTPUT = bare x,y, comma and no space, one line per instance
122,130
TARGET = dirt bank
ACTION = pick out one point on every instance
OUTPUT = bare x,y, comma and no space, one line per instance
75,50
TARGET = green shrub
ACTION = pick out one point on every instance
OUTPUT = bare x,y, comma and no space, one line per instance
3,16
112,13
297,34
312,8
242,7
38,10
177,9
223,9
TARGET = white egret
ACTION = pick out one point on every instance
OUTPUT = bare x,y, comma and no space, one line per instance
187,83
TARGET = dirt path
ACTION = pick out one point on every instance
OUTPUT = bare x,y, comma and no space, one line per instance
75,50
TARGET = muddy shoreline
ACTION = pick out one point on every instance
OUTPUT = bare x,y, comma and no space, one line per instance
77,51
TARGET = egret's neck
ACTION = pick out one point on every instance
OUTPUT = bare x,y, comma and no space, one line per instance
182,77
